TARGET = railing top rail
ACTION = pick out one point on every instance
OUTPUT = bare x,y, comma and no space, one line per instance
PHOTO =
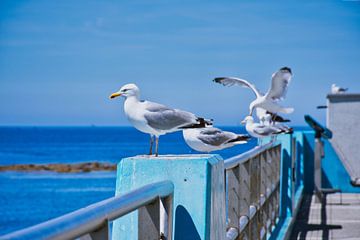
244,157
92,217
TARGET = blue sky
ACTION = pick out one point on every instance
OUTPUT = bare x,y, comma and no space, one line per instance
60,60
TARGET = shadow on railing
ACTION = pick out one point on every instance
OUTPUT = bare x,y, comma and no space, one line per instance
253,192
154,202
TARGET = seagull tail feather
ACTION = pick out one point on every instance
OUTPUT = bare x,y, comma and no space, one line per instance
287,110
240,139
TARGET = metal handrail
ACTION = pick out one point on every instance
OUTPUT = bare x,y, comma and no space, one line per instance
93,217
246,156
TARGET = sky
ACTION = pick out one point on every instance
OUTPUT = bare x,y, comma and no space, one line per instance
60,60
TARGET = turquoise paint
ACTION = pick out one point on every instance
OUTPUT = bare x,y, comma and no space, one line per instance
199,193
334,173
334,176
285,176
283,227
196,189
308,155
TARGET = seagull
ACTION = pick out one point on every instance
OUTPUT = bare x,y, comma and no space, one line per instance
260,131
268,118
153,118
279,84
210,139
336,89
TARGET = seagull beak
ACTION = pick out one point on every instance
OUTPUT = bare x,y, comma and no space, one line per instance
243,122
114,95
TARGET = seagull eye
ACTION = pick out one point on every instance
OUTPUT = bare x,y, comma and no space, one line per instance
124,90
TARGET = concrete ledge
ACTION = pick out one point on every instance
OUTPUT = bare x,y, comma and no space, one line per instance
199,193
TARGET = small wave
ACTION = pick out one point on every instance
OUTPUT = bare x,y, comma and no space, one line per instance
90,189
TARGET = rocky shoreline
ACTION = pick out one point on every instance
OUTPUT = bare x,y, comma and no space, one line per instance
61,168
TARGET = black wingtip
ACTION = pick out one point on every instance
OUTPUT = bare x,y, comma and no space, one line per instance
218,79
280,119
243,137
286,69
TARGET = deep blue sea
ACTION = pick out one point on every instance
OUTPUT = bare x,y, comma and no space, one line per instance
32,197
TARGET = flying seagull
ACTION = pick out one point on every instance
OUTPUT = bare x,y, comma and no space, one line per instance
279,85
153,118
210,139
336,89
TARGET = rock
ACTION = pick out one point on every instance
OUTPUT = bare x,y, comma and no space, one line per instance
61,168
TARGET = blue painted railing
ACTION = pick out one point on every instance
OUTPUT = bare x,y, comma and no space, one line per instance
254,195
94,219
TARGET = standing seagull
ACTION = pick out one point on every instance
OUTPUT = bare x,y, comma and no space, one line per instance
268,118
210,139
260,131
153,118
279,84
336,89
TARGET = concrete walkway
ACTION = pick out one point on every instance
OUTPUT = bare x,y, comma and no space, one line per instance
338,218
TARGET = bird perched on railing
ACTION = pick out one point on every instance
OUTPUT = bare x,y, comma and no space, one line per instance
210,139
268,118
153,118
260,131
336,89
269,101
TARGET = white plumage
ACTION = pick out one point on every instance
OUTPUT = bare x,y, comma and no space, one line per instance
153,118
212,139
269,101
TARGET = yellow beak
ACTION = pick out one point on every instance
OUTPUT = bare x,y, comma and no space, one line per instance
114,95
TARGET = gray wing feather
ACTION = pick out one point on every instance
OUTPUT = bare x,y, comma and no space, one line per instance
164,118
265,130
215,137
230,81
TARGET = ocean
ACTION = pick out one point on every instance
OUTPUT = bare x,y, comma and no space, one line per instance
28,198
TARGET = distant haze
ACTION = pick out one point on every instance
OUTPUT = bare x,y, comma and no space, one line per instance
60,60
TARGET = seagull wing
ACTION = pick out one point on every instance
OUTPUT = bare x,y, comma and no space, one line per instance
216,137
230,81
279,84
164,118
265,130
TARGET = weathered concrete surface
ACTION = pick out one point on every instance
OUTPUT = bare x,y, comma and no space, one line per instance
343,119
339,218
199,193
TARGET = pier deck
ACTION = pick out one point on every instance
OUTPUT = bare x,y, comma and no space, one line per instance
338,218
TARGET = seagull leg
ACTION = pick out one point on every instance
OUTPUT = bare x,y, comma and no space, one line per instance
151,144
156,145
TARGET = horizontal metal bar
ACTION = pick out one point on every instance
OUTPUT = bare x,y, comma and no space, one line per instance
92,217
244,157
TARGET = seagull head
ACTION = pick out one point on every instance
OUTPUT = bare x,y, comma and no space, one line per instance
285,70
127,90
249,119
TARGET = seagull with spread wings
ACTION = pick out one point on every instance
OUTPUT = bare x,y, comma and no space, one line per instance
210,139
153,118
269,101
